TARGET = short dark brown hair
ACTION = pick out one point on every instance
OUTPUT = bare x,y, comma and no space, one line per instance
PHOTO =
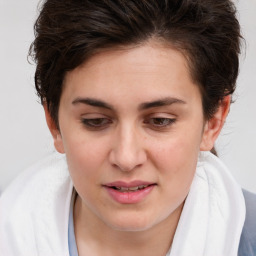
68,32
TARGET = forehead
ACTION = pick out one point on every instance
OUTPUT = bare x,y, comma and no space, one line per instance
147,70
151,56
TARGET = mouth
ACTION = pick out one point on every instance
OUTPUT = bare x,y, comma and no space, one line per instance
130,189
129,193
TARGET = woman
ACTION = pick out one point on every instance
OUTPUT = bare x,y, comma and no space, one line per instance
135,94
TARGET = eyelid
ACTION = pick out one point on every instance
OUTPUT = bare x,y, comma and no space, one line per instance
160,114
170,120
95,121
165,120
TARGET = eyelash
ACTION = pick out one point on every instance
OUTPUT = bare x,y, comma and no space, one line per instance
96,123
102,123
164,122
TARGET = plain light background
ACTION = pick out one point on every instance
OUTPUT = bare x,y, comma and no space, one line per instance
24,136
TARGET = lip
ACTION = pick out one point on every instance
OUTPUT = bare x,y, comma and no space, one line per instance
129,197
124,184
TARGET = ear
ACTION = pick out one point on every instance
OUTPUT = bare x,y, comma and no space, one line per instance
58,143
213,126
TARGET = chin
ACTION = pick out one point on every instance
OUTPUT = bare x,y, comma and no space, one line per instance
133,223
131,228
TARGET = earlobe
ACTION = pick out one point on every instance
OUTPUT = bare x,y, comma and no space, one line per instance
213,126
58,143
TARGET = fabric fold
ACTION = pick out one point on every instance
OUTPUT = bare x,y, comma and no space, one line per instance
213,216
36,223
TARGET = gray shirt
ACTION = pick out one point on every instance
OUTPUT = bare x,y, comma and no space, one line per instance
247,245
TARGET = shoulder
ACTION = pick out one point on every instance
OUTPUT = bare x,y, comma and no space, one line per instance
28,206
28,184
248,238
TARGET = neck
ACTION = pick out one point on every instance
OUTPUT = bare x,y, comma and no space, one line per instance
94,237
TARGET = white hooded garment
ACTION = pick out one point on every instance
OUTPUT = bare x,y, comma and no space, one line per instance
34,212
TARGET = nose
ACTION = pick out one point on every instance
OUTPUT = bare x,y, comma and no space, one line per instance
127,152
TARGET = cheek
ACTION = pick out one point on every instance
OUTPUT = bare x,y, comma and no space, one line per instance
176,152
176,161
85,158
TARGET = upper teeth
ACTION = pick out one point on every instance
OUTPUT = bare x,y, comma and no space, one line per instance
123,189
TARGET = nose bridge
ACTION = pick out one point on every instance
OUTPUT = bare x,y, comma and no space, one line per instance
127,152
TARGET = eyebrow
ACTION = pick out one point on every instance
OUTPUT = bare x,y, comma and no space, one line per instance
92,102
161,102
143,106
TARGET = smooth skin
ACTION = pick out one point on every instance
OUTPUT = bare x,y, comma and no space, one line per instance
125,115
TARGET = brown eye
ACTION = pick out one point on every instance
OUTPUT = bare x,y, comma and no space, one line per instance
160,121
97,123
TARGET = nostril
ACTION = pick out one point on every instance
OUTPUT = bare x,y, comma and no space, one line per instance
127,162
127,152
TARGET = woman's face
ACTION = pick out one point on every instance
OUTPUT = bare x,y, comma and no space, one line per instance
131,125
